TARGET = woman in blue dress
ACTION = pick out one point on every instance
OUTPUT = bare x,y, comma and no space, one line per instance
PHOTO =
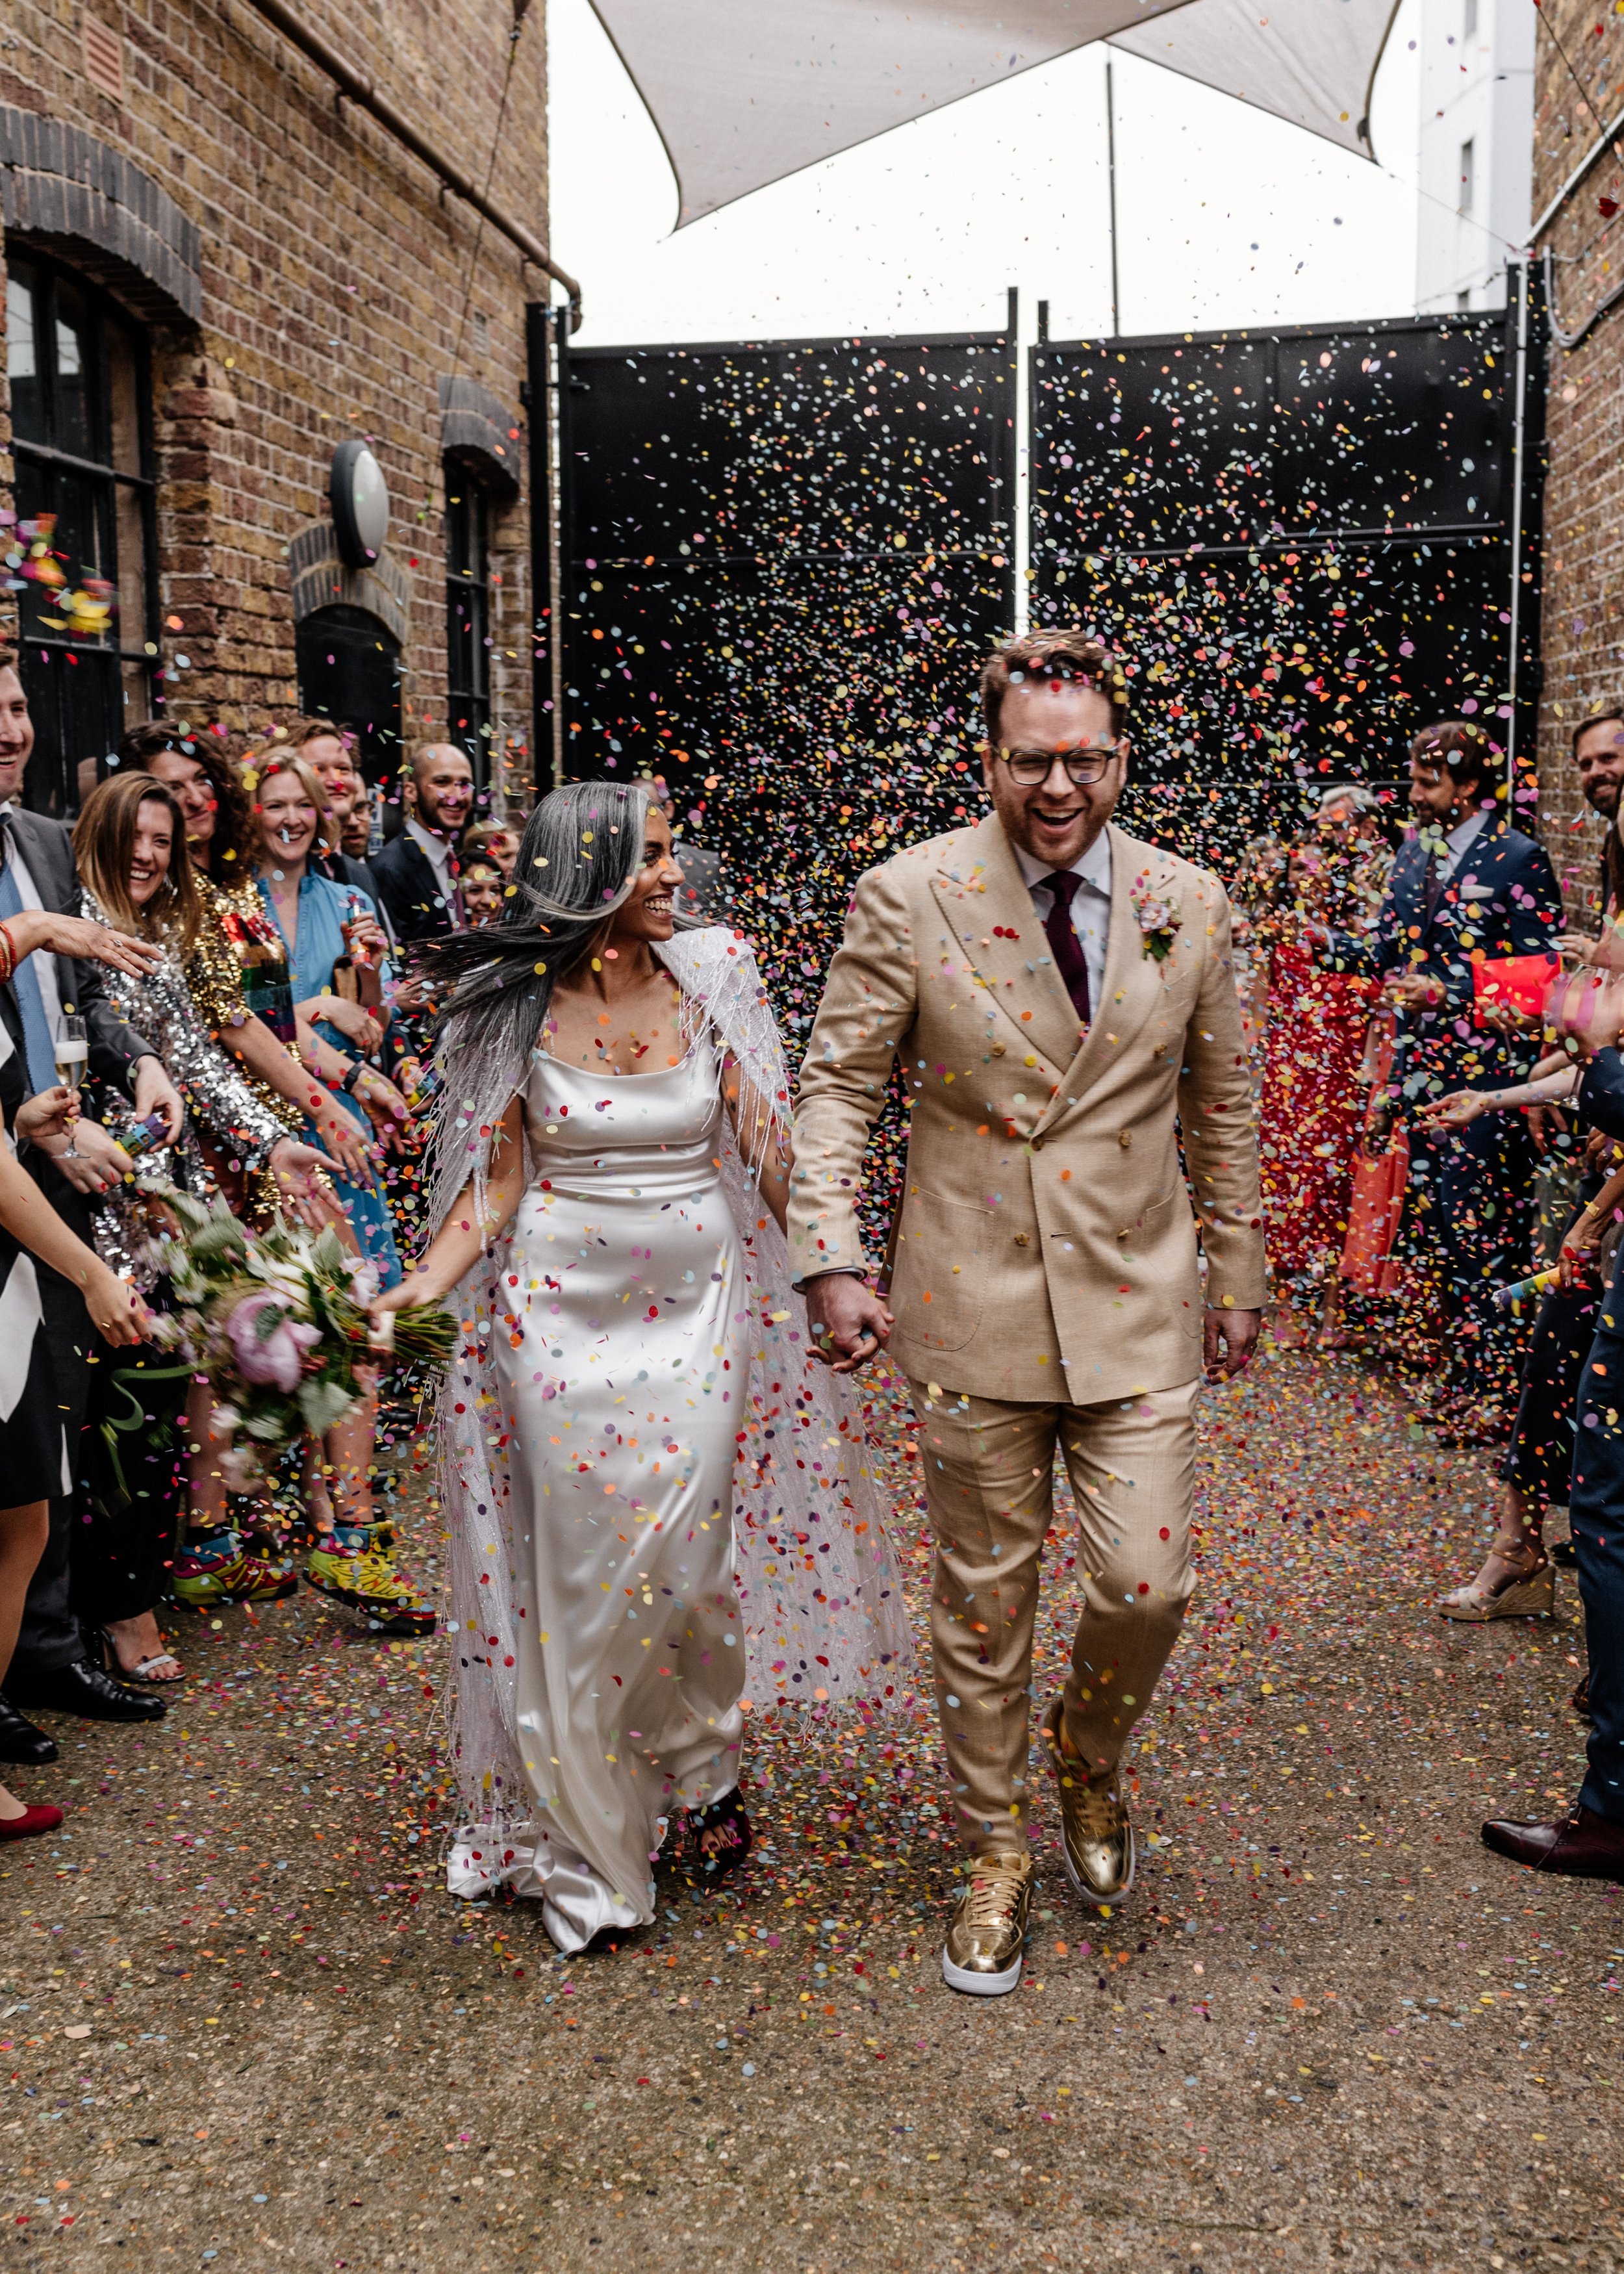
326,927
329,928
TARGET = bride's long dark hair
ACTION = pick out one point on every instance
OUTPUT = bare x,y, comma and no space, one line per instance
581,856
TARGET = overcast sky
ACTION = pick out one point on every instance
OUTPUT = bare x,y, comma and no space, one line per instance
1225,217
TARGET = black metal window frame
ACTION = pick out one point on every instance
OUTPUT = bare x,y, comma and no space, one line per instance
468,616
133,644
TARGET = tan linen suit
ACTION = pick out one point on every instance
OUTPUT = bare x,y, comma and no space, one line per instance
1046,1280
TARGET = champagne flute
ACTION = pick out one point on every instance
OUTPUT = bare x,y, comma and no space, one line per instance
72,1053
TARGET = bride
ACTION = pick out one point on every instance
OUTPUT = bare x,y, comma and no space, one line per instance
654,1499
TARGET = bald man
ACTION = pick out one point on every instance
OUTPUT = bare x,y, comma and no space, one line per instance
416,872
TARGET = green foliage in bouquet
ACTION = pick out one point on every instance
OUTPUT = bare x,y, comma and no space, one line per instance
277,1321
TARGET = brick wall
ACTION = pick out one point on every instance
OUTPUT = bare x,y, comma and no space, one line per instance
1582,624
335,283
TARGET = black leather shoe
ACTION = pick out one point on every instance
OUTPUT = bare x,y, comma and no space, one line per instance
1582,1846
20,1740
87,1689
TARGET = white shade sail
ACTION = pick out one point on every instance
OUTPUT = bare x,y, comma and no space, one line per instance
744,93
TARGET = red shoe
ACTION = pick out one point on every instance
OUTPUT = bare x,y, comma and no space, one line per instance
30,1823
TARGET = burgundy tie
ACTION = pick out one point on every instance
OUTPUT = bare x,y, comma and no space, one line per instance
1069,959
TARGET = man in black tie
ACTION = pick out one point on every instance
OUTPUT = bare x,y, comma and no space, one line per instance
51,1666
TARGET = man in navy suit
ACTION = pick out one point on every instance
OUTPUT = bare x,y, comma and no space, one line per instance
1587,1843
416,872
1465,887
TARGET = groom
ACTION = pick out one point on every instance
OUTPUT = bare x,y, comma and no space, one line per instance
1060,998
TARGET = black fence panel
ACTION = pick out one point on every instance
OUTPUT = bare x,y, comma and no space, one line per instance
784,563
1309,542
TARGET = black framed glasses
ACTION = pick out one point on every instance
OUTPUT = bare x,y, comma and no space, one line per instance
1030,768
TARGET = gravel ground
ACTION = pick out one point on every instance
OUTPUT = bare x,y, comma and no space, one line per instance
242,2027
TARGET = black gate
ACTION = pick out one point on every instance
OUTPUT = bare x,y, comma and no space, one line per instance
1308,541
783,564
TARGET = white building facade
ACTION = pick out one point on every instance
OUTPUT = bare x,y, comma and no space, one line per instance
1476,155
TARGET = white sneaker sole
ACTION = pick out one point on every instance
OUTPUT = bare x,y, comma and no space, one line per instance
982,1985
1084,1894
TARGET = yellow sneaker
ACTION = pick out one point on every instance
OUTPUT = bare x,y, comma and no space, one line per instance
355,1565
983,1953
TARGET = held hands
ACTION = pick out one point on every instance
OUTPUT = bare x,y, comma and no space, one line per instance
847,1319
1238,1331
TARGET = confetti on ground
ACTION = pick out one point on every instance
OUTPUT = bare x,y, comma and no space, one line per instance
1326,2029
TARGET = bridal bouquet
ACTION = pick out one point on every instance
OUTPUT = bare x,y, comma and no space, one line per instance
277,1322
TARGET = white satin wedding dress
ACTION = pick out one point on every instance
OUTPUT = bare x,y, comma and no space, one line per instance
648,1484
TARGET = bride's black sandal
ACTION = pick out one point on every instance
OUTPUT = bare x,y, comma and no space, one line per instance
721,1836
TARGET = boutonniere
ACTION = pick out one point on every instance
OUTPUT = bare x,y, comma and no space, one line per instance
1157,919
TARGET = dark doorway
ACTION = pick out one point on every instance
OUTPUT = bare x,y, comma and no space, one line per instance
349,671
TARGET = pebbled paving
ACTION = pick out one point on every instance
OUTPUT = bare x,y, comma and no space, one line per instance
241,2027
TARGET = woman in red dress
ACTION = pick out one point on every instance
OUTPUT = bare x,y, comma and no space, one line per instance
1316,1071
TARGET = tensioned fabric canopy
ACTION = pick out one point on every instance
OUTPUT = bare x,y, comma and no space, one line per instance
744,91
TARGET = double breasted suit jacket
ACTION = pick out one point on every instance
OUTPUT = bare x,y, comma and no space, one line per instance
1046,1247
1502,900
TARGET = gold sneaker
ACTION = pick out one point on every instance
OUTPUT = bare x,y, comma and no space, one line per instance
1096,1836
983,1953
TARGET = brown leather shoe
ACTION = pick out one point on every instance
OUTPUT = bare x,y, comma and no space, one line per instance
1582,1846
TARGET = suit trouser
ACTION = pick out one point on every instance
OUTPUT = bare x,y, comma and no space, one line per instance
1471,1213
1596,1516
989,1470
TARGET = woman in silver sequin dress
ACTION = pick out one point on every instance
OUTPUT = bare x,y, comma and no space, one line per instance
129,847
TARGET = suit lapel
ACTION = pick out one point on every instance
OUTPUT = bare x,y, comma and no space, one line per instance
984,897
1134,979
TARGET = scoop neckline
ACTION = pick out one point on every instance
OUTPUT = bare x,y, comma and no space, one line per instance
654,1073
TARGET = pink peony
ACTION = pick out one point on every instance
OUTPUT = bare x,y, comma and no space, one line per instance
267,1353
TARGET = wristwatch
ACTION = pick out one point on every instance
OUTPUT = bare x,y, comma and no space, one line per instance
358,1067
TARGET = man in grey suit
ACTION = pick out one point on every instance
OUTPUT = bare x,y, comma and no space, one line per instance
51,1666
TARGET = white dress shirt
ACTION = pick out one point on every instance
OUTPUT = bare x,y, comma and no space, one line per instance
439,853
1091,904
1461,840
28,894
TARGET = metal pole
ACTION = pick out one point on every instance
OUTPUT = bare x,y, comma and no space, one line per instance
1519,476
1111,168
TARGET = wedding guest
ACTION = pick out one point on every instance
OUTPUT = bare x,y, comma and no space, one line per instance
326,752
495,842
237,969
1313,1099
130,847
1588,1842
33,1452
417,872
52,1665
1517,1578
320,924
483,889
1464,886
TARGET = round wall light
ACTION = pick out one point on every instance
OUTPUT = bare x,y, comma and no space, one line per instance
360,500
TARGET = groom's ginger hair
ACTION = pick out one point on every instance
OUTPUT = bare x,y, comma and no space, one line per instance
1063,652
